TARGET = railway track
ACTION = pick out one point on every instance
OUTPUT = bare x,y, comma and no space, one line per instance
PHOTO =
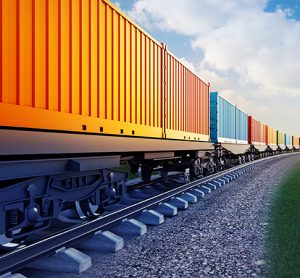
17,259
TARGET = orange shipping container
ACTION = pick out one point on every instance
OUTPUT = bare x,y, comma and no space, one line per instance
271,135
267,134
78,66
84,66
187,107
296,141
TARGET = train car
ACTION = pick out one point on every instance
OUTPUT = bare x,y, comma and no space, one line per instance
281,140
228,126
83,91
257,134
296,142
271,138
84,88
288,141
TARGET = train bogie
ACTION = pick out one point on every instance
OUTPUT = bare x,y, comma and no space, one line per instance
35,192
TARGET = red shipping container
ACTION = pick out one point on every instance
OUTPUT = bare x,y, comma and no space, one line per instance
256,132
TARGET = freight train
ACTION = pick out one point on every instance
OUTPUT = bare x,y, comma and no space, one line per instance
83,90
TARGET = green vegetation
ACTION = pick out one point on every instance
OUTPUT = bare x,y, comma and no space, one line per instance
284,233
125,167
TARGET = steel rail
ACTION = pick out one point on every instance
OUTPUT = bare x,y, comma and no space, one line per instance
19,258
132,187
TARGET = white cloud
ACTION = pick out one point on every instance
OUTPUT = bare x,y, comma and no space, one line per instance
190,17
188,64
253,57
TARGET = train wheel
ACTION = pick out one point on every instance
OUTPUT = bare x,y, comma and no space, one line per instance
87,210
210,168
220,164
197,169
240,160
9,244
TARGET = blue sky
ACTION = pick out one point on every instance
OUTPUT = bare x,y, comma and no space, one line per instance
294,5
271,5
247,49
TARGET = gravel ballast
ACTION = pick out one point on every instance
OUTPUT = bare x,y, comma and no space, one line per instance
222,235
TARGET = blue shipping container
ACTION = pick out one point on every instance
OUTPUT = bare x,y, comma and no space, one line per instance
228,124
288,140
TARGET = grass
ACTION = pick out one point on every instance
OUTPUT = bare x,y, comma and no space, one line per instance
125,167
284,229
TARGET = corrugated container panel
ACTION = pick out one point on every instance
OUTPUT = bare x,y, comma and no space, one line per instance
274,132
257,132
187,108
267,134
226,119
81,66
213,117
271,134
241,126
263,131
280,138
288,139
296,141
228,123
